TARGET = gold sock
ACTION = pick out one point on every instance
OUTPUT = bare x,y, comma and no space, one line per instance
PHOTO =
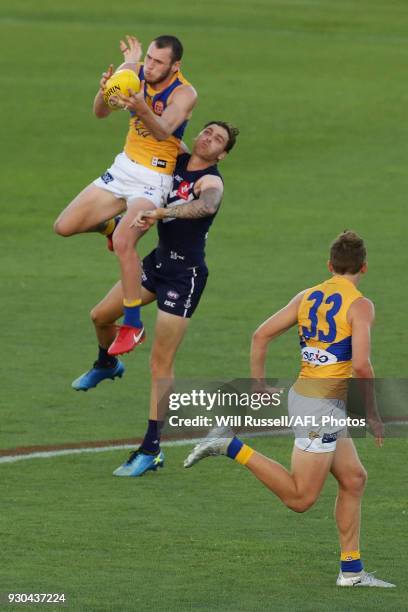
244,454
109,227
131,303
352,555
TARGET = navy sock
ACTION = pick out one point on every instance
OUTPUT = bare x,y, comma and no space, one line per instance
350,561
151,441
132,315
105,360
234,447
354,566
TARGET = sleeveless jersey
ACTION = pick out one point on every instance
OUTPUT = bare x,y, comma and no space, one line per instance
325,337
141,146
184,239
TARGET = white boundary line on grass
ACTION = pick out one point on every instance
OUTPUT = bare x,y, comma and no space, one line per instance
113,447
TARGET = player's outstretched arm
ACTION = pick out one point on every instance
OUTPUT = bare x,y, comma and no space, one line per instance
211,189
273,327
205,206
178,110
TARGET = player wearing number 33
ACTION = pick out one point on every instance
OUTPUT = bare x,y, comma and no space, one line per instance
334,322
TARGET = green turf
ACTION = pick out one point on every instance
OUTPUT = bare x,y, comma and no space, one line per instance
318,89
114,544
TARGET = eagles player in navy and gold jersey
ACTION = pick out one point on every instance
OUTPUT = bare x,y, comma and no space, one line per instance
141,175
174,275
334,321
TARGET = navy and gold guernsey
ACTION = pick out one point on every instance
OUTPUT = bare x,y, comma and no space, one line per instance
141,146
325,338
176,270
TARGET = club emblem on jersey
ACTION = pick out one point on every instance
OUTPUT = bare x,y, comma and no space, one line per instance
158,107
183,189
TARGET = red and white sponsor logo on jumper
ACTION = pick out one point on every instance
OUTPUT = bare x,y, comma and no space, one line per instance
183,190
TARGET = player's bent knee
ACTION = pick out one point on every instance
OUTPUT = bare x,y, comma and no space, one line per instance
99,317
94,314
122,245
63,229
300,504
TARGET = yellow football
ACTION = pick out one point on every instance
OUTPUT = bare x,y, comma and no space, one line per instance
120,82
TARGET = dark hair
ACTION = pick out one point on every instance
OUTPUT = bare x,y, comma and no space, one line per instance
228,127
347,253
162,42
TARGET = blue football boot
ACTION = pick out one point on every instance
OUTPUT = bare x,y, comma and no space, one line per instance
139,463
96,374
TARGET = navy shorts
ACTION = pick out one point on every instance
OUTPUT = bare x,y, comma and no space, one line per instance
177,285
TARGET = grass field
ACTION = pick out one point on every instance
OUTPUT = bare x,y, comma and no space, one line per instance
318,89
111,544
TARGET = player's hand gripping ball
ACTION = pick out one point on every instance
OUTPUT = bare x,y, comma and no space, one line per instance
120,82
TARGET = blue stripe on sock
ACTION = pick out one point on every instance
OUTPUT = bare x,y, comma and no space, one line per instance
132,316
352,566
234,447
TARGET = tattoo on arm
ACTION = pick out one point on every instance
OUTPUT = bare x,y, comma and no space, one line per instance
207,205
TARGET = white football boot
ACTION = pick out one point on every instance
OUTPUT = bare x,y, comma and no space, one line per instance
209,447
365,579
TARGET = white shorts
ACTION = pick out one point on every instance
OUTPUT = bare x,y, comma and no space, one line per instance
313,433
129,180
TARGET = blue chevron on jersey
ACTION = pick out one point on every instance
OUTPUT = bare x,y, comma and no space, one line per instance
342,349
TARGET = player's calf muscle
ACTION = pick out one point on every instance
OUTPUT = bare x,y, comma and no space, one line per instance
161,365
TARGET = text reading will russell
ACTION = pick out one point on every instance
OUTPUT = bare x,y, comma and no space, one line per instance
250,421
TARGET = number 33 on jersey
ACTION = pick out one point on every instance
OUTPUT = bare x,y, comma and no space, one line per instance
324,332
